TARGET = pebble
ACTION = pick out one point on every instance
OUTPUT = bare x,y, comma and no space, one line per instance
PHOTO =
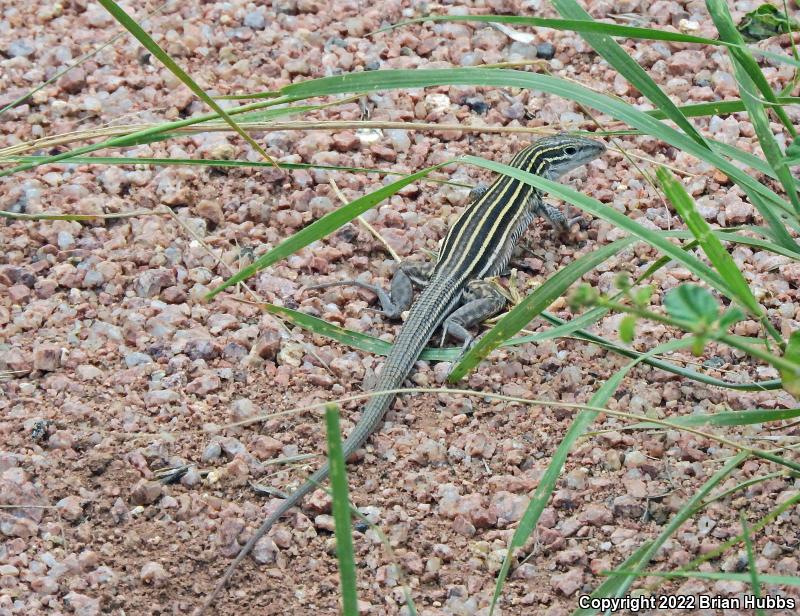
211,452
46,357
255,20
70,508
137,359
146,492
21,48
153,573
265,551
567,584
65,240
82,605
545,51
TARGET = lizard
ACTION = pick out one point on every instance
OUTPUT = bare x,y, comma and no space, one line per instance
455,295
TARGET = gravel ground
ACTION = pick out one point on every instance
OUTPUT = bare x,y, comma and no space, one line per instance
121,368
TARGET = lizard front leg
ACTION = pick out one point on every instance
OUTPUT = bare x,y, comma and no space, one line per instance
560,223
409,275
481,300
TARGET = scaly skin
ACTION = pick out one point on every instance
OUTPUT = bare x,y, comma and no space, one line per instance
478,245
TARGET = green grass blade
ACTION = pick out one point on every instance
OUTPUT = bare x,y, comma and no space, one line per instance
148,43
741,55
364,342
784,506
595,208
751,561
719,108
372,81
749,76
533,305
548,481
322,227
769,385
341,513
620,582
626,66
734,418
136,136
221,163
711,245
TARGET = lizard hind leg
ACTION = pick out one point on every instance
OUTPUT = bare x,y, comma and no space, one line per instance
481,301
398,299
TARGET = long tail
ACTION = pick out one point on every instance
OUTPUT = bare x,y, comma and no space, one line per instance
427,313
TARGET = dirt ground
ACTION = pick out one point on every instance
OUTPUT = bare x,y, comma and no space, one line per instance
119,368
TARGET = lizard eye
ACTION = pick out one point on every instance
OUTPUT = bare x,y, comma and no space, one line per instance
571,150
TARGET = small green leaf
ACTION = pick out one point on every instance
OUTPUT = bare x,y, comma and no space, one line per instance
765,22
584,295
729,317
641,297
627,328
793,150
791,378
692,303
623,281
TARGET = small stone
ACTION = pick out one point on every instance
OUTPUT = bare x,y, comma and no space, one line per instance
628,507
73,81
635,459
568,583
508,507
46,357
19,293
771,550
70,508
82,605
150,282
477,104
153,573
146,492
137,359
210,210
264,447
463,526
87,372
480,445
212,451
21,48
161,397
346,141
255,20
204,384
65,240
686,62
545,51
60,439
265,551
174,295
597,515
202,348
297,67
324,521
243,409
521,51
237,472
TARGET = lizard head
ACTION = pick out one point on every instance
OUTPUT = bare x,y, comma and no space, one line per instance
552,157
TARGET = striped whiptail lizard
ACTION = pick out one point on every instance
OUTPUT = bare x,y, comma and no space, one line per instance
455,294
